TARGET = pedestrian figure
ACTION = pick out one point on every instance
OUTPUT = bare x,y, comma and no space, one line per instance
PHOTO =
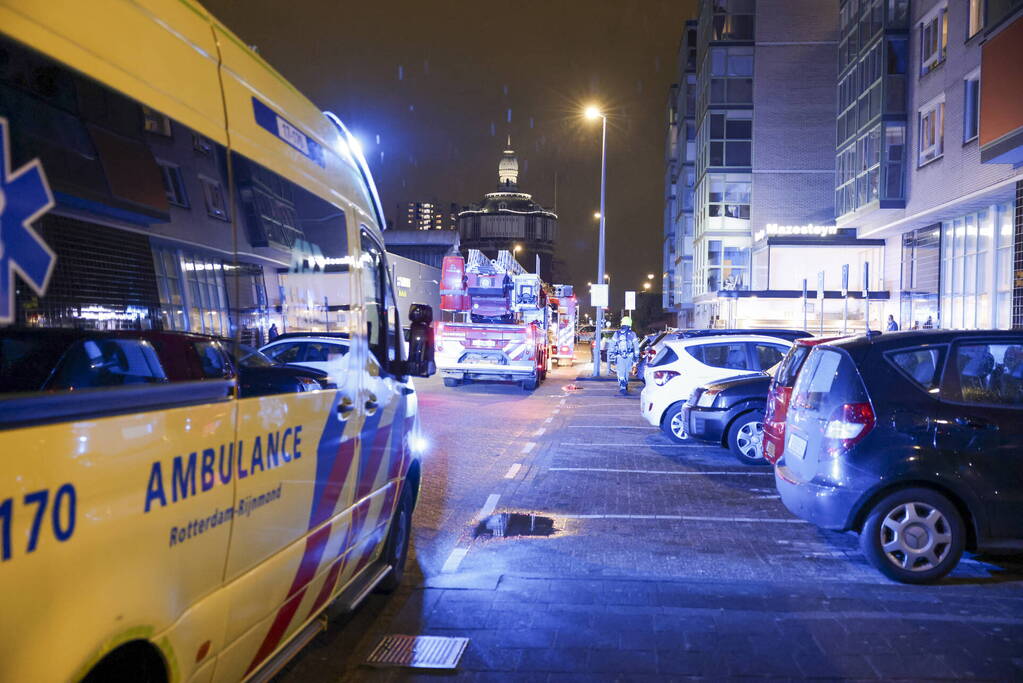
623,352
929,323
916,324
272,332
892,325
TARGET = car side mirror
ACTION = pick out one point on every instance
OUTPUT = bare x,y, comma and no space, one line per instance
420,361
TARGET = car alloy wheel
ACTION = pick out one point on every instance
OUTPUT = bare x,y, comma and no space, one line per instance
915,535
750,440
677,428
746,439
673,424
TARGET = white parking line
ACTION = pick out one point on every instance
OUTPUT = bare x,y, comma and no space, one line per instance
689,518
539,432
528,446
631,444
512,471
454,559
739,473
490,505
607,426
548,420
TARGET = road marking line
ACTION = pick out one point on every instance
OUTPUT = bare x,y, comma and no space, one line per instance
767,497
454,559
627,471
548,420
689,518
632,445
528,447
539,432
490,505
512,471
610,427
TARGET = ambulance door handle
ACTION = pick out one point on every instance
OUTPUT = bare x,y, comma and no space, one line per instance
371,404
345,408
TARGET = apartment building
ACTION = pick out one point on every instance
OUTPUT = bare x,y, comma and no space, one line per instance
929,153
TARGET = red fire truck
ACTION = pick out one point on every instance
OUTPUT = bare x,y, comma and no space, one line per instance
505,317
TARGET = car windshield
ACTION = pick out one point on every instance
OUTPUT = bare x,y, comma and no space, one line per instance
248,357
788,369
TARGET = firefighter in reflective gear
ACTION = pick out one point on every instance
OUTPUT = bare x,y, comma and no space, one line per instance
623,352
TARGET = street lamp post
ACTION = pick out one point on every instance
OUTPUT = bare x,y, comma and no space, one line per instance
593,113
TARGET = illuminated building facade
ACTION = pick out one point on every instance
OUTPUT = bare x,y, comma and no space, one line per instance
510,218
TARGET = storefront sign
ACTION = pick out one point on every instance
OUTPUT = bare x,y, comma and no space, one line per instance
810,230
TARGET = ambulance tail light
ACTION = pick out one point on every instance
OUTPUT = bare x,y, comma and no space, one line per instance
565,350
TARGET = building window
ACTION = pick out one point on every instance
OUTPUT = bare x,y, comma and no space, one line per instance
976,269
727,266
933,39
921,265
728,196
731,19
971,106
731,71
975,20
155,122
730,138
173,185
932,131
216,203
894,160
168,282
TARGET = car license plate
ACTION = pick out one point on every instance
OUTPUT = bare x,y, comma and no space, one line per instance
488,343
796,446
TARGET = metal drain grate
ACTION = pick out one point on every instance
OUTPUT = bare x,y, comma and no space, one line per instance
418,652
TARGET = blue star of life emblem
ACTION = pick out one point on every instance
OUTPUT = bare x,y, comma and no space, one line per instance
24,197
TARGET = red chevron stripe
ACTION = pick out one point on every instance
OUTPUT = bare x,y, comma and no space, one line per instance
335,482
370,466
314,546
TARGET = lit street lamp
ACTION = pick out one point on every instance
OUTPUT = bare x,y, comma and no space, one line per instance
649,276
593,113
646,285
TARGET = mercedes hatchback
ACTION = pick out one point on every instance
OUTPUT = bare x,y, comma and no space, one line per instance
911,439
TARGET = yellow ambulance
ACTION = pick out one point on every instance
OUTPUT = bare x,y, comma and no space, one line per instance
173,504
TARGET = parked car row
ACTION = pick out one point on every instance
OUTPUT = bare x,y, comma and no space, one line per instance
910,439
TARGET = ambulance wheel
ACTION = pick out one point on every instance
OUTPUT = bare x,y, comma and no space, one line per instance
396,549
530,384
451,382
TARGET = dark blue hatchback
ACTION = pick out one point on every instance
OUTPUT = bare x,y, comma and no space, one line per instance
914,440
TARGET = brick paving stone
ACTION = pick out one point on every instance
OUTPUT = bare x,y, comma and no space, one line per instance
613,660
912,667
480,656
817,665
564,660
677,661
587,637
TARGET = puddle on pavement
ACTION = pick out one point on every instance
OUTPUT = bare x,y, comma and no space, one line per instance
510,524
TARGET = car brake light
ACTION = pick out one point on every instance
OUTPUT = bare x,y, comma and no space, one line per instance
662,377
848,425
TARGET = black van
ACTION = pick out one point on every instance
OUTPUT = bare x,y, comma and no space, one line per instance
914,440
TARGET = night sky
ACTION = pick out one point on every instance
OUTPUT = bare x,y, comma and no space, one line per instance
429,88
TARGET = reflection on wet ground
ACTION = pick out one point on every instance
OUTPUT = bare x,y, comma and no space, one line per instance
507,524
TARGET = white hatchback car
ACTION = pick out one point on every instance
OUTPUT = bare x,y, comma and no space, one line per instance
682,365
323,352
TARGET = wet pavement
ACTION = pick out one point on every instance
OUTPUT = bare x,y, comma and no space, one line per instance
570,540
